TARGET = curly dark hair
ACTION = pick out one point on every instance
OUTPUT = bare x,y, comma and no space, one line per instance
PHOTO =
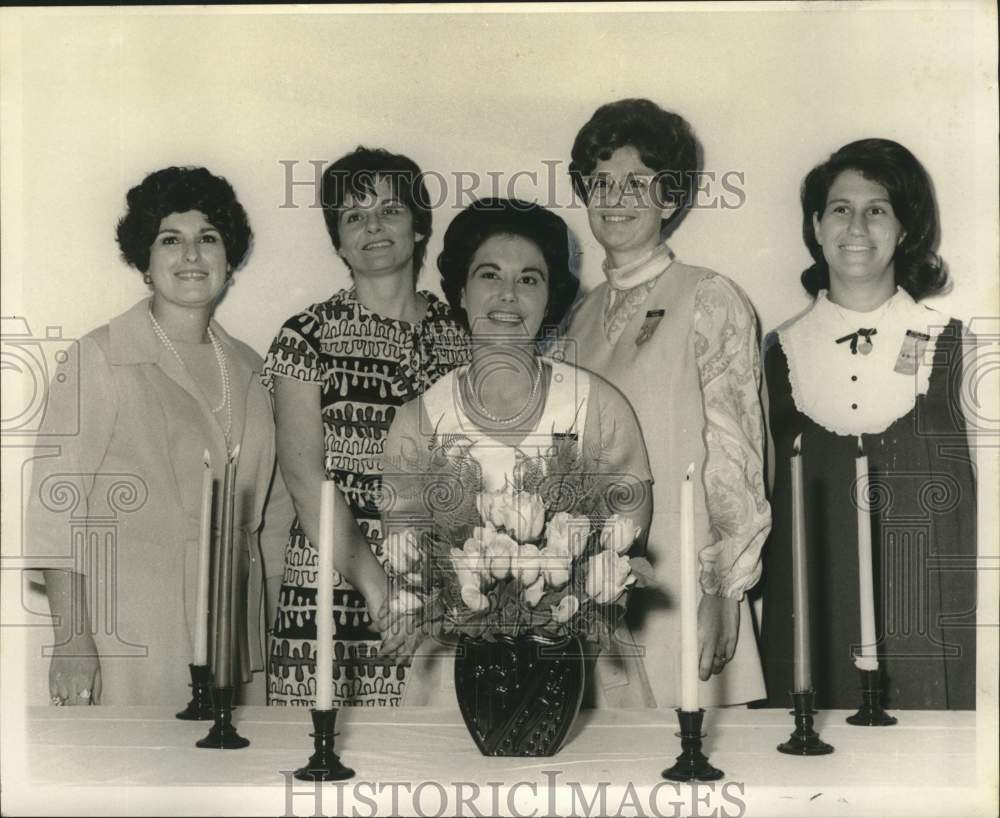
664,140
490,217
178,190
357,173
919,269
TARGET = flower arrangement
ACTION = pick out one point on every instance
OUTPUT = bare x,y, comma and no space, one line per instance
541,553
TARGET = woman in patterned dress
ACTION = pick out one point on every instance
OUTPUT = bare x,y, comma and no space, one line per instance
869,366
338,370
681,343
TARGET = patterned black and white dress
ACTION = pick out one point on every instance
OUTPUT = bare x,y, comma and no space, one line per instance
367,365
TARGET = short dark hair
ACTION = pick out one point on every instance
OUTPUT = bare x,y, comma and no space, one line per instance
357,173
919,269
490,217
178,190
664,140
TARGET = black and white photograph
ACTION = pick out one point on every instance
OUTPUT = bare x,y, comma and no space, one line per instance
503,409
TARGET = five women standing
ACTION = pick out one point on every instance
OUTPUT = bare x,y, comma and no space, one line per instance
865,369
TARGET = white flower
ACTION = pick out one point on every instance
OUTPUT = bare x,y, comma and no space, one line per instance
565,610
403,550
474,599
500,554
405,602
556,563
533,593
568,532
607,575
482,536
470,567
490,505
523,515
619,533
527,564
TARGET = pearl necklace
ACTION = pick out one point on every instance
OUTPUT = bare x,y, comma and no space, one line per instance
220,357
521,414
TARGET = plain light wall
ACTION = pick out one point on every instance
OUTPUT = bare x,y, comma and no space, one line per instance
92,100
106,97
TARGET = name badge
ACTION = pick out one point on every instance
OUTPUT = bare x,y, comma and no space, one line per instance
911,352
653,318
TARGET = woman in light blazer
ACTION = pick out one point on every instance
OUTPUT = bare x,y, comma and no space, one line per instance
113,513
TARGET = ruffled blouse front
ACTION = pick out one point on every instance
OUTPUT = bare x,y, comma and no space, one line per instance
856,373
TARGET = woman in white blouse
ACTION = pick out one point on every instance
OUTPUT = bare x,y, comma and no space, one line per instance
681,343
867,368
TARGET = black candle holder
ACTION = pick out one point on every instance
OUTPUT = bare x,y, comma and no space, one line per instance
804,741
200,706
871,713
691,764
223,735
324,764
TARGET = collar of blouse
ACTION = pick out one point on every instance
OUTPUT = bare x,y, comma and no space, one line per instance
640,271
853,382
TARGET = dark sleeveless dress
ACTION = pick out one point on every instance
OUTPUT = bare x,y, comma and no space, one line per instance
923,548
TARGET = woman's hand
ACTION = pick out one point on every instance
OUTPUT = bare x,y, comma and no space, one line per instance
718,631
75,673
396,627
75,670
373,590
400,639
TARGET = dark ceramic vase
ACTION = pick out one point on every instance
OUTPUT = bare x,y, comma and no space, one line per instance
519,695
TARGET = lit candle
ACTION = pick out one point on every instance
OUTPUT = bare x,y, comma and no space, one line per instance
324,600
223,659
689,598
867,660
204,557
800,583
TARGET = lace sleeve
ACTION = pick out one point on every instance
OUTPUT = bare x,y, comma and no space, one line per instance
728,359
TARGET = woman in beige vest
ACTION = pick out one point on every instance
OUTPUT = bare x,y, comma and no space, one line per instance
681,343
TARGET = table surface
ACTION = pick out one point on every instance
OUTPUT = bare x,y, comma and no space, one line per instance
929,757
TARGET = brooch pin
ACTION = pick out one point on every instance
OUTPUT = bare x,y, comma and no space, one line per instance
911,352
861,341
653,318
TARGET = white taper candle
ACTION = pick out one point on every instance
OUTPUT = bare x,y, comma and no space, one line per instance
800,583
868,659
324,599
689,598
204,558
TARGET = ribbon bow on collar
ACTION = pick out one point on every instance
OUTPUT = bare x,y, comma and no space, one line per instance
866,345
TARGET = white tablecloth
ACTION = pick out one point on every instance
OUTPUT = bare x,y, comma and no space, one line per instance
143,761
